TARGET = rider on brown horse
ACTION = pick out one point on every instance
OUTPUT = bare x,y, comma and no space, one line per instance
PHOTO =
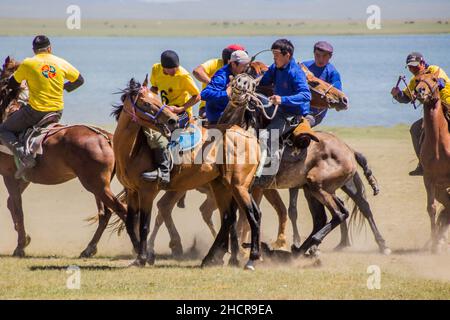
417,65
44,74
292,95
323,69
178,93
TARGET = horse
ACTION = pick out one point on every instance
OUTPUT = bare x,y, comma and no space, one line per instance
320,170
75,151
230,181
435,156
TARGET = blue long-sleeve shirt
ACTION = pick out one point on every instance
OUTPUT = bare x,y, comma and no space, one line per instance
291,85
329,74
215,94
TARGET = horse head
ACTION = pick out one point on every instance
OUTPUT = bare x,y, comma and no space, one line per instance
324,95
146,108
426,89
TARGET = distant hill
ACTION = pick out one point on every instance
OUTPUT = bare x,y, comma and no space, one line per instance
227,9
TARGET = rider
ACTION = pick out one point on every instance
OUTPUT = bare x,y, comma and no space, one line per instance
206,70
417,65
292,94
323,69
216,93
179,93
44,74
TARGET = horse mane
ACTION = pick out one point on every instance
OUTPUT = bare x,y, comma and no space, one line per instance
131,90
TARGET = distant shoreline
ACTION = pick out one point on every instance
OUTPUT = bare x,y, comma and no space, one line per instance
179,28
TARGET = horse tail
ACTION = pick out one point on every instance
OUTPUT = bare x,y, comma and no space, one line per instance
357,221
362,161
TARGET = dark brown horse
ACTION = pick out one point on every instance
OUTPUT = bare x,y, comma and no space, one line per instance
76,151
435,156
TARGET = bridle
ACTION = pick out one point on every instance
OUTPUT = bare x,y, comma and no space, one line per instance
432,88
140,115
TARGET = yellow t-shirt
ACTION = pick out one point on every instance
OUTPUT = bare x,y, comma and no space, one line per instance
45,75
211,66
445,92
174,90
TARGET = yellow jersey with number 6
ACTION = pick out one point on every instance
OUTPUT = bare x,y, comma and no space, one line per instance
45,75
174,90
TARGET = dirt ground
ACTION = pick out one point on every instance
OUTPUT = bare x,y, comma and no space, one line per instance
54,217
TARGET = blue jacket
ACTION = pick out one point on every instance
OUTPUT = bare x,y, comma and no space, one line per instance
328,74
290,84
215,93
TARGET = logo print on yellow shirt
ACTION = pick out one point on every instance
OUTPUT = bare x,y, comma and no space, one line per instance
48,71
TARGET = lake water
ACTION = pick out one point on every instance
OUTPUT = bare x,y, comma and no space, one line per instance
369,67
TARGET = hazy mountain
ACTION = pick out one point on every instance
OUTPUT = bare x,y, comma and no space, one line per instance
227,9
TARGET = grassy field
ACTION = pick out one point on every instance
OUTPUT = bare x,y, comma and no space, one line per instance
54,219
164,28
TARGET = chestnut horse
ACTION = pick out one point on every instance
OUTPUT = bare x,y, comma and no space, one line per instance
230,181
70,152
435,156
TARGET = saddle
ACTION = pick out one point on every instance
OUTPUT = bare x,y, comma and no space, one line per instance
186,139
33,138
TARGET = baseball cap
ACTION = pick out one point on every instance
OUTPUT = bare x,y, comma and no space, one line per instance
414,59
169,59
235,47
41,42
240,57
323,46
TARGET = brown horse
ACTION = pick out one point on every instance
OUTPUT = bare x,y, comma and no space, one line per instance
69,152
435,156
320,170
229,181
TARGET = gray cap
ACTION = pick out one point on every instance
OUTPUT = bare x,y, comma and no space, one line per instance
414,59
240,57
324,46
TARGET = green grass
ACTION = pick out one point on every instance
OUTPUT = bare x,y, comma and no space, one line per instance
106,27
35,278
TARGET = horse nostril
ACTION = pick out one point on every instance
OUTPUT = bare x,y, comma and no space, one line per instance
172,122
344,100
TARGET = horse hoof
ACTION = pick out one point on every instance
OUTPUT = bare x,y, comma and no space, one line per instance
341,246
19,253
211,262
88,253
386,251
27,241
233,262
139,263
177,254
250,265
313,252
151,259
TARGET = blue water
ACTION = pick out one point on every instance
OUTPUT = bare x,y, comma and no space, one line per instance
369,66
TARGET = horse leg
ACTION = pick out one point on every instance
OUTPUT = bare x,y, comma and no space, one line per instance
182,201
337,209
104,214
319,219
273,196
431,208
248,204
355,190
226,206
443,222
15,189
151,241
345,241
131,218
207,209
293,214
146,198
165,207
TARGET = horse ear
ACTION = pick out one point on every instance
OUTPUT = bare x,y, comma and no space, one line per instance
437,72
7,60
231,78
145,83
258,80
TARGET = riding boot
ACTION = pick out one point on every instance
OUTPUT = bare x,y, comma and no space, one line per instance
25,161
162,173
